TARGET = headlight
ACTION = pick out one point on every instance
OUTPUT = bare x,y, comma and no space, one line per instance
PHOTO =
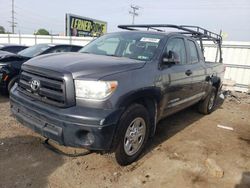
96,90
3,65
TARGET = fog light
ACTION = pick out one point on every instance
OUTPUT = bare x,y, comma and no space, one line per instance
85,138
90,138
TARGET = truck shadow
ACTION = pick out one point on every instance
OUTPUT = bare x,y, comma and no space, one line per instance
245,181
175,123
24,162
3,98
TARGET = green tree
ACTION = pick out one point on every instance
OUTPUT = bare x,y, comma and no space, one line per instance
2,30
42,32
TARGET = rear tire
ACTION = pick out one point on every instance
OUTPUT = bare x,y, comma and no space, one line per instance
132,135
206,106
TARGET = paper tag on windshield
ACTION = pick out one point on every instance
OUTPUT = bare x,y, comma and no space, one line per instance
153,40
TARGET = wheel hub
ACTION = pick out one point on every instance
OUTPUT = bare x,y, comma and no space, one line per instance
211,101
134,136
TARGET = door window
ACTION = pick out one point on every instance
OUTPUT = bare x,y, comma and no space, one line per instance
177,45
194,58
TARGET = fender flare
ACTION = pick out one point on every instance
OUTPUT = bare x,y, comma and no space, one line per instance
151,96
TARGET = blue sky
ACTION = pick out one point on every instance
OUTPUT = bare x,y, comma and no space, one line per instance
232,16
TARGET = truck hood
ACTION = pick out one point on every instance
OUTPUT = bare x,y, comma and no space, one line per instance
82,65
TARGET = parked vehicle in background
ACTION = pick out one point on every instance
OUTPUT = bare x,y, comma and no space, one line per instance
4,54
10,64
13,48
110,96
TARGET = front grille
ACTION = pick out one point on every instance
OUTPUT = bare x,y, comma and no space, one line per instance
51,90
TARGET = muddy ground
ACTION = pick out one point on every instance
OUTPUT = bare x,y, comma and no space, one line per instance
175,157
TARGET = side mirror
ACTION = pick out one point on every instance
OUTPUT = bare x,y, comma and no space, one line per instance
170,57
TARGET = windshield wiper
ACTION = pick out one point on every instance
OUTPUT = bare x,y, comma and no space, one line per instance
113,55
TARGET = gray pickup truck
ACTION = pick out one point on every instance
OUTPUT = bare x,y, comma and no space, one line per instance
110,96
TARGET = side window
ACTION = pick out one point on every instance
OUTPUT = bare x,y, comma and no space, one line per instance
12,49
177,45
194,58
19,48
75,48
60,49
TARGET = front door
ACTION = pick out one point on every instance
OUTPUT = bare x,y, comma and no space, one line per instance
177,81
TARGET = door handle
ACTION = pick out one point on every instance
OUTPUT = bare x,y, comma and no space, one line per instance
188,72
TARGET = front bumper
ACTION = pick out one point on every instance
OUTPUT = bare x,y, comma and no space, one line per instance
75,126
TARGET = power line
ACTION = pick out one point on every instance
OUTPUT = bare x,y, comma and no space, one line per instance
133,12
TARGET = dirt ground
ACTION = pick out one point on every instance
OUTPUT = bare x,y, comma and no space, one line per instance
175,157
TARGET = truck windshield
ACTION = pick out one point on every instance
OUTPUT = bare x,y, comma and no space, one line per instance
35,50
137,46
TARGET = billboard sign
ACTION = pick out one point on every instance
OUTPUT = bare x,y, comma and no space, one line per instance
82,26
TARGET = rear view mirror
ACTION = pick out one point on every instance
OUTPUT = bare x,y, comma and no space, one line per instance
170,57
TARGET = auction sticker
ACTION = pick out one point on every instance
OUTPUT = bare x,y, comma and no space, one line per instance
153,40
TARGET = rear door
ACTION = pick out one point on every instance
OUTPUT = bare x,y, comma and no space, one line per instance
177,82
197,68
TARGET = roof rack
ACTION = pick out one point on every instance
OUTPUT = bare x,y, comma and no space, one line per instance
199,33
194,31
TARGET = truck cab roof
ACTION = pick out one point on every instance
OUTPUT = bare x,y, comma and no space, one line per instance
197,33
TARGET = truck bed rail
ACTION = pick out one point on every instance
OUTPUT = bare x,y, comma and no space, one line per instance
195,31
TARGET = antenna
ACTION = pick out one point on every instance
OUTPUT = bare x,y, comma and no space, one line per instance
133,12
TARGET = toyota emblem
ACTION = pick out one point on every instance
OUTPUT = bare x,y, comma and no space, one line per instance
35,85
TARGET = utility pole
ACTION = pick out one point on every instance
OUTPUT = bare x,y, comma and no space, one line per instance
12,22
133,12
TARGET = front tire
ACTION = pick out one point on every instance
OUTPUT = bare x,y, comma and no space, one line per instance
11,83
133,134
